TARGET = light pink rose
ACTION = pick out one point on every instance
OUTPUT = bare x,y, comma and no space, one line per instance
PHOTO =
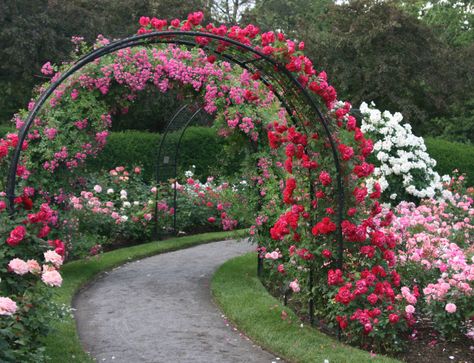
295,286
33,266
19,266
7,306
450,308
410,309
97,188
54,258
52,278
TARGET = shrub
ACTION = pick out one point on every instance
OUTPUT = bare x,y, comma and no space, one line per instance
200,146
404,169
452,155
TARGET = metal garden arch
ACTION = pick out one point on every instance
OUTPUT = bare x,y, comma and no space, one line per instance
299,106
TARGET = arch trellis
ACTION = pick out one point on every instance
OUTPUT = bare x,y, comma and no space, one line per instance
167,162
296,99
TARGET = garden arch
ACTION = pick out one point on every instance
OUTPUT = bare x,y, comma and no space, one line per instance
299,104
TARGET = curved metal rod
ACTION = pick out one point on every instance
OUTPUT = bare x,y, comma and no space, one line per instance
163,138
157,168
175,196
154,37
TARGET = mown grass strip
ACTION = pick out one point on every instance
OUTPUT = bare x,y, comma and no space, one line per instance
246,303
63,344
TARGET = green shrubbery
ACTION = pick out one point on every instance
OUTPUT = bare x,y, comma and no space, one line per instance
200,146
452,155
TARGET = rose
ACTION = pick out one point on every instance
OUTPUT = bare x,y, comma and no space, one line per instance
16,236
410,309
450,308
18,266
295,286
52,278
7,306
33,266
393,318
54,258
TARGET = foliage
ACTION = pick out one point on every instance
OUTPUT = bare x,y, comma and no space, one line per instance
452,155
200,146
452,20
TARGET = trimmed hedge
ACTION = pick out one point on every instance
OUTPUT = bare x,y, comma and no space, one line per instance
200,146
452,155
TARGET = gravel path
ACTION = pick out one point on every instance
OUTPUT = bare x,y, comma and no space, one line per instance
160,309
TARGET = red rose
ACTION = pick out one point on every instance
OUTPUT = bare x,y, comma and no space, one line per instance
344,295
211,219
325,178
327,254
144,21
16,236
346,151
342,321
393,318
372,299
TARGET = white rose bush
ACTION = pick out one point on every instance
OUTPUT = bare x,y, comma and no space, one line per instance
403,168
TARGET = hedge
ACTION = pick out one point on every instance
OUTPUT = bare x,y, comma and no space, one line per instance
452,155
202,147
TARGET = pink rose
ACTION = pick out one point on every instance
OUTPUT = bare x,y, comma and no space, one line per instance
7,306
450,308
19,266
410,309
295,286
52,278
97,188
53,257
33,266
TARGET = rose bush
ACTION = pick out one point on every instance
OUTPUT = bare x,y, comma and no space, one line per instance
436,251
403,168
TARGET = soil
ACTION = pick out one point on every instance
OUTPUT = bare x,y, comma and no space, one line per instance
428,347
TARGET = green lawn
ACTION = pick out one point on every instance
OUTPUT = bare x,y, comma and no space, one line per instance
255,312
63,344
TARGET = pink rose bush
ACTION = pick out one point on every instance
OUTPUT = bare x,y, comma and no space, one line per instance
436,248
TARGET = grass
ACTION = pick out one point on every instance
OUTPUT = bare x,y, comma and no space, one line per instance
63,344
255,312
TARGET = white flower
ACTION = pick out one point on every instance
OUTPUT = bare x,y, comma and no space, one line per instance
136,203
123,218
110,191
188,174
126,204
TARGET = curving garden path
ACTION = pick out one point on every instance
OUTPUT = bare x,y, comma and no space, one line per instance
160,309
